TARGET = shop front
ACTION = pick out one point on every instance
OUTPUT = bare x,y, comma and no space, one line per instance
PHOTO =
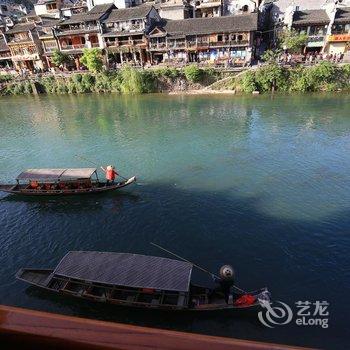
338,43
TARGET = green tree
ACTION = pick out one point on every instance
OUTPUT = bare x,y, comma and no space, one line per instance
193,73
92,59
271,56
292,40
60,58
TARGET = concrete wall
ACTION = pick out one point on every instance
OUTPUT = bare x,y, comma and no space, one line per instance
172,13
235,6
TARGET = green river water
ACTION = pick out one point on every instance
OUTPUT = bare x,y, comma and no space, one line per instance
259,182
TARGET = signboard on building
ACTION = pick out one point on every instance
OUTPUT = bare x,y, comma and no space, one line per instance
339,38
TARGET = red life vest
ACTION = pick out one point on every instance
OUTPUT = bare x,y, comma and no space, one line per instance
245,299
110,174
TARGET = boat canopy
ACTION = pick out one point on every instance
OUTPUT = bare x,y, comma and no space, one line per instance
56,174
127,270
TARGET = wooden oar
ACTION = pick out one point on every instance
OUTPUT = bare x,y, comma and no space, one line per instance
89,161
195,265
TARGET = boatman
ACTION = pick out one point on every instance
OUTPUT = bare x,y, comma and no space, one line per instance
225,281
110,174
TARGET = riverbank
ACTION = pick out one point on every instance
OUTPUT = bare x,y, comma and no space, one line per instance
126,80
191,79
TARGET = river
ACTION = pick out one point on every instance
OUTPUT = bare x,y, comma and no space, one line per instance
259,182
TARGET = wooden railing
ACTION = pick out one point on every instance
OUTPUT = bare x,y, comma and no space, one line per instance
28,329
193,44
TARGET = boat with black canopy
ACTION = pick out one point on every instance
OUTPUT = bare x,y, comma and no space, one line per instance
136,280
39,182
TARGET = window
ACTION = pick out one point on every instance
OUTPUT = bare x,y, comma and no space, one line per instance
50,7
317,30
245,8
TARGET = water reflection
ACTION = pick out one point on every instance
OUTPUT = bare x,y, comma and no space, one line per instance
257,182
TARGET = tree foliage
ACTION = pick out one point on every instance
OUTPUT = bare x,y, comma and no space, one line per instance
292,40
271,56
193,73
325,76
60,58
92,59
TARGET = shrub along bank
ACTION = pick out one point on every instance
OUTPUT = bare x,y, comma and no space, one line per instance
325,76
126,80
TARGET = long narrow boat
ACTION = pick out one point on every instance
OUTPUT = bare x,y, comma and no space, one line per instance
51,182
137,281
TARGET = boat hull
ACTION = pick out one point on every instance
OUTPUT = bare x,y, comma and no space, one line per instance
94,189
42,278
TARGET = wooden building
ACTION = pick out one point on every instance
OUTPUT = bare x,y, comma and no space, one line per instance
339,39
125,34
25,46
205,39
82,30
5,54
48,40
314,23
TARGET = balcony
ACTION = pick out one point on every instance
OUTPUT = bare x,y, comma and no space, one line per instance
74,47
76,30
5,55
315,41
50,49
155,46
20,40
138,42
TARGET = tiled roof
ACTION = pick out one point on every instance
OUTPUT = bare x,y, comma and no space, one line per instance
101,8
193,26
49,22
342,15
21,27
310,17
127,14
42,2
93,15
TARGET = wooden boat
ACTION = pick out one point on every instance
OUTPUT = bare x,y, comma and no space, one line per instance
39,182
134,280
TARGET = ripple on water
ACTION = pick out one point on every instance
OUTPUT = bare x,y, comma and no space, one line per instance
257,182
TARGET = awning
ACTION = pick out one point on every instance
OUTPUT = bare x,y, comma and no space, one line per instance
56,174
128,270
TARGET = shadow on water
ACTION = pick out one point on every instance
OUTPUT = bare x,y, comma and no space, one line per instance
75,203
146,317
297,260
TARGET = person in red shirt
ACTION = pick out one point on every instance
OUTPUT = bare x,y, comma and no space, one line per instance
110,174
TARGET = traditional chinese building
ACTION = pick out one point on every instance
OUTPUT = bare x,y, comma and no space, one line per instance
48,40
5,54
25,46
314,23
81,31
174,9
48,8
125,33
205,39
339,39
208,8
235,7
